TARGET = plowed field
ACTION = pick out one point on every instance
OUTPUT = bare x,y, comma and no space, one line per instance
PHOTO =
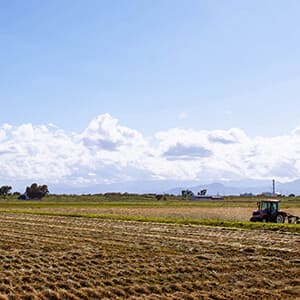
51,257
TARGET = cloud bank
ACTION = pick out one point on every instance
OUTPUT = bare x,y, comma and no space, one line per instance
107,152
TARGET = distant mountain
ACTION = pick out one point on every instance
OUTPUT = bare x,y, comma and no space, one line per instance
237,188
173,187
289,187
167,186
212,189
138,187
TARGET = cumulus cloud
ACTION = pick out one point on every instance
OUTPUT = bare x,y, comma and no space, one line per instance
105,133
183,152
231,136
232,154
31,151
107,152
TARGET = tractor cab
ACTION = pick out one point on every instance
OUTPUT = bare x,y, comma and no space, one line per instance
268,211
270,206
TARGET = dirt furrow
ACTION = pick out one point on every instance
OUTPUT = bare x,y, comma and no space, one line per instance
48,257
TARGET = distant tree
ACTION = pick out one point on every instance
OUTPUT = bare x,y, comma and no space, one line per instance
202,192
4,190
36,191
292,195
187,194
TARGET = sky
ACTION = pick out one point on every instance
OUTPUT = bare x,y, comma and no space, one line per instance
96,92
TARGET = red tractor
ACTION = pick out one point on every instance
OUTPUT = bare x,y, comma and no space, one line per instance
268,211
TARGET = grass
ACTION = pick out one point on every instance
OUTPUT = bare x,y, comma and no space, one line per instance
166,220
148,200
232,212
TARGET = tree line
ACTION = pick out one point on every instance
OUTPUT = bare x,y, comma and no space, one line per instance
34,191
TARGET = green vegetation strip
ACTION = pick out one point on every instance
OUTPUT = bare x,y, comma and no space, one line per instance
165,220
120,204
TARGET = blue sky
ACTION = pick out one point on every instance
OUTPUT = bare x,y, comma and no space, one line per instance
152,66
224,63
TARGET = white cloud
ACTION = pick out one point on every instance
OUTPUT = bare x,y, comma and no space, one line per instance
183,152
231,136
107,152
233,155
182,116
37,152
2,134
104,133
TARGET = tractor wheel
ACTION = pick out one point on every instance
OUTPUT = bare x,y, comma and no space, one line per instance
280,218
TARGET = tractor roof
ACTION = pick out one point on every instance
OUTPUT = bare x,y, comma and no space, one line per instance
270,200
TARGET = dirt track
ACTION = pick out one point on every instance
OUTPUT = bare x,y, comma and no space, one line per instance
77,258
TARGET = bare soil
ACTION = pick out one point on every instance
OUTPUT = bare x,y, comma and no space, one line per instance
50,257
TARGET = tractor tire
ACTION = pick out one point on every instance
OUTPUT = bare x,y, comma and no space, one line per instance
280,218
